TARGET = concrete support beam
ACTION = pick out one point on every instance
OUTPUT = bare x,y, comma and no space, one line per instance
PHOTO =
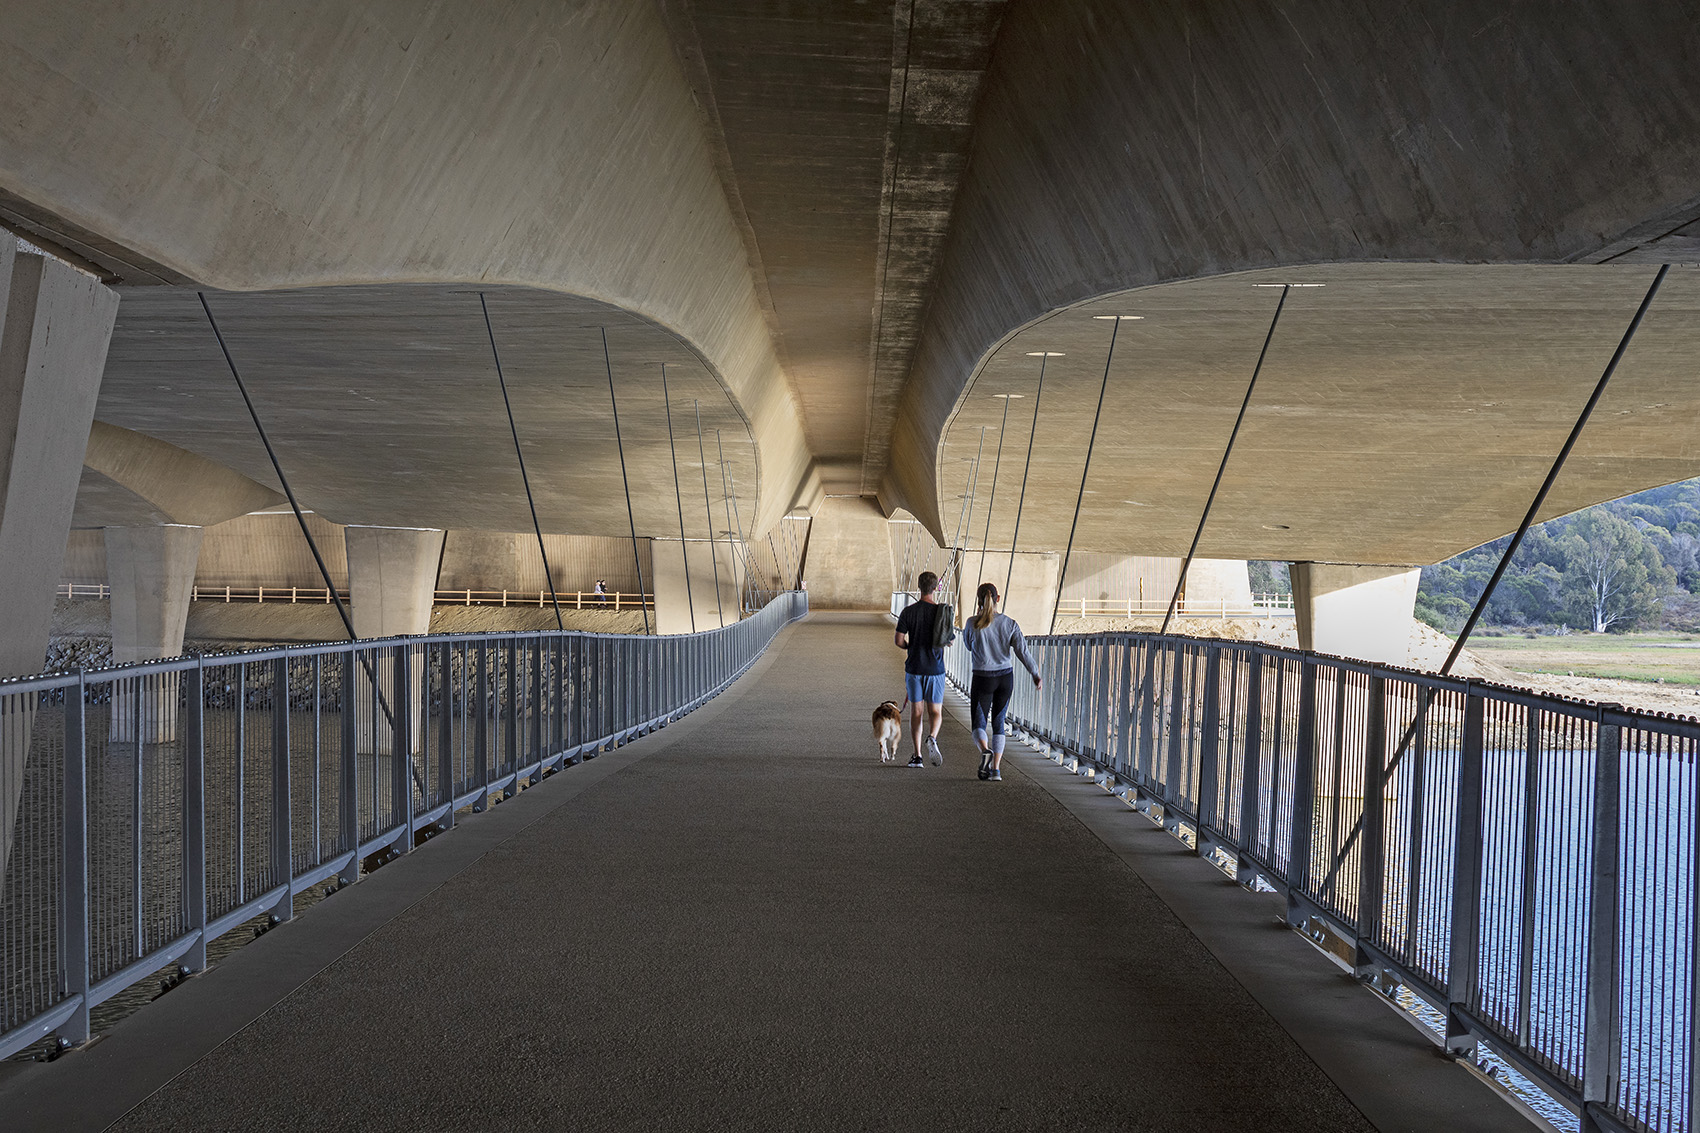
1353,610
1030,595
392,578
686,600
55,324
848,566
151,571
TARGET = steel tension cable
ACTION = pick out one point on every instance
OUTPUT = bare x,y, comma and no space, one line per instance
678,498
1504,562
1021,500
1186,563
301,521
502,380
625,482
1062,574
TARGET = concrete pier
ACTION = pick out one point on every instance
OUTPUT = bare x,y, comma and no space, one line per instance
1352,610
392,576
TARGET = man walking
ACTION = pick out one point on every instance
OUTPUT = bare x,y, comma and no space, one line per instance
923,672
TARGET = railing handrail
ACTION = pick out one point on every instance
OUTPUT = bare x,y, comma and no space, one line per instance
340,751
319,595
1514,840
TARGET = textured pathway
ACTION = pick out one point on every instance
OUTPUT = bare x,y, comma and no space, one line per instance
760,926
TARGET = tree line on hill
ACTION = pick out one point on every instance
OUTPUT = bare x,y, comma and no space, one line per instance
1633,563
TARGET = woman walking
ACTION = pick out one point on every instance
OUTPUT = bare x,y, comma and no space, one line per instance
993,638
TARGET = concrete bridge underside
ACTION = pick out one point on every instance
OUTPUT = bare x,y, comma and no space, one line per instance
746,921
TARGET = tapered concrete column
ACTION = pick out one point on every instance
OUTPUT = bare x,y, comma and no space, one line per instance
848,564
55,324
685,597
1216,585
151,571
1029,589
1352,610
392,579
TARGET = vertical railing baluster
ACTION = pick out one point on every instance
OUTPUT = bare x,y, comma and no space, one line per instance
1210,744
349,772
76,850
1464,956
534,713
401,743
478,662
1304,794
1251,790
1371,854
1174,789
1418,778
558,701
1148,711
241,783
195,814
138,690
1691,1107
1602,1035
283,871
1531,875
507,703
447,787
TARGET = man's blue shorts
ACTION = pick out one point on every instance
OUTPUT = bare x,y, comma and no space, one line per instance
924,690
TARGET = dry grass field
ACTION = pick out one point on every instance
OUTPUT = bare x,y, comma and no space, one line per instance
1667,658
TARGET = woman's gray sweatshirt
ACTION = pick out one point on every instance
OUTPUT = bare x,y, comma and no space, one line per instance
993,646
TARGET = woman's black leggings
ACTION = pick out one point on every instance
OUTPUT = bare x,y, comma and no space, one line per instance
990,693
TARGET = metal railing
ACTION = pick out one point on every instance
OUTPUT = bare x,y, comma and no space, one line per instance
148,809
569,599
1526,864
1262,606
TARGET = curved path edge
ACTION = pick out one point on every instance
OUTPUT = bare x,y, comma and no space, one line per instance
1371,1050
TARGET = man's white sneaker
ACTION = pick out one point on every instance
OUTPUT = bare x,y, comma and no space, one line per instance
933,750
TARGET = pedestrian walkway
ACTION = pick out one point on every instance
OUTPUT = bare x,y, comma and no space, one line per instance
745,921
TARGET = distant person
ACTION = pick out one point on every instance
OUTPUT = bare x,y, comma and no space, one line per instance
923,671
601,592
992,639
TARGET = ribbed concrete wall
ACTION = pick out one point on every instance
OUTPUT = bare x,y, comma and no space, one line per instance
496,560
1109,577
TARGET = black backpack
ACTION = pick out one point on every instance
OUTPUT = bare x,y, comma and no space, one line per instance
944,625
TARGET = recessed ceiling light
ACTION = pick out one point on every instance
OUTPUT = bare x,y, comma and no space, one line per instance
1118,318
1135,503
1009,395
1046,354
1289,285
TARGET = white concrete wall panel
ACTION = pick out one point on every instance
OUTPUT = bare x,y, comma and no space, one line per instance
1355,611
849,564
